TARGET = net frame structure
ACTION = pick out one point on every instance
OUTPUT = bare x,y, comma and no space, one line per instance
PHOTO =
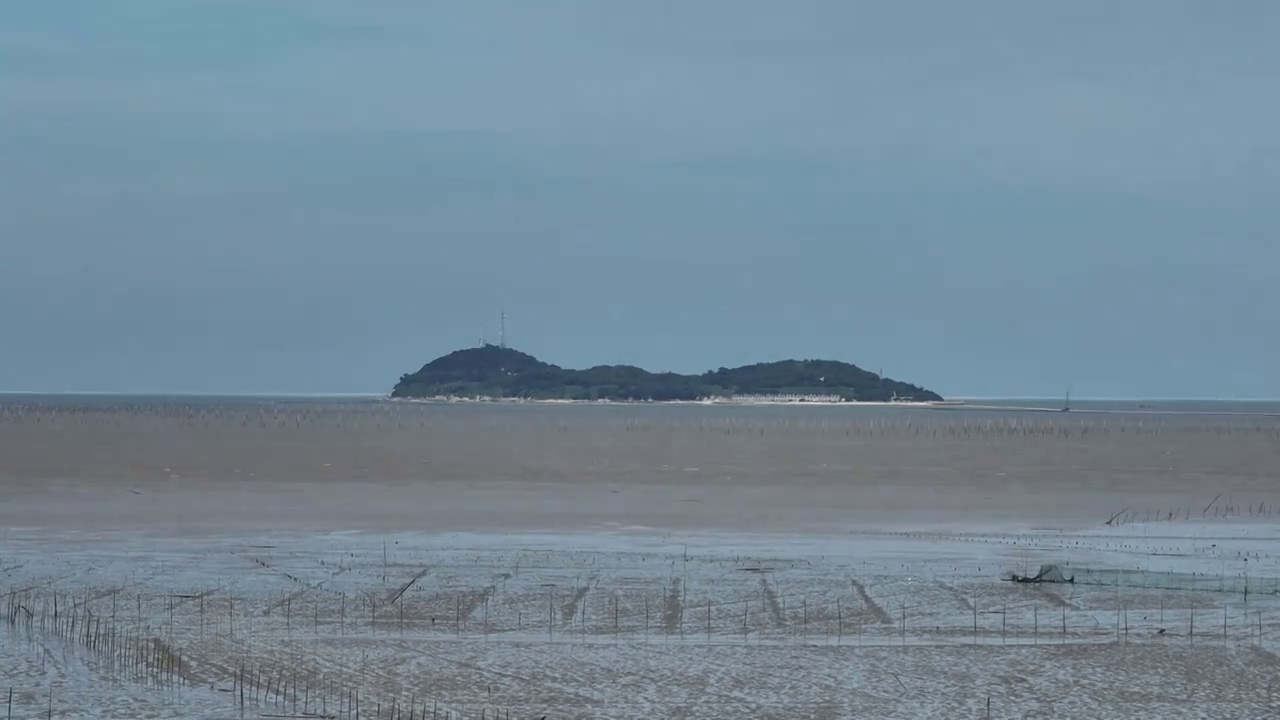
1240,584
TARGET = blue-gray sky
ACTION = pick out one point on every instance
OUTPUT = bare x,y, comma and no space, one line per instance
987,198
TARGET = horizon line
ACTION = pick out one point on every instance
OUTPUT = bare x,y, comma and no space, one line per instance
250,394
168,393
1127,398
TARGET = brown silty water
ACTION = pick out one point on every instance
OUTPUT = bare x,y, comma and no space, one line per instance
400,466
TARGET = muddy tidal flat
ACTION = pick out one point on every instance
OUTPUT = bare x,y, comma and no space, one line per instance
241,557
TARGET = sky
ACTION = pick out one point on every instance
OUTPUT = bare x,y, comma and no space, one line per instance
999,199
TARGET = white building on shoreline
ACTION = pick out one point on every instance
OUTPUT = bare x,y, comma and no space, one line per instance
773,399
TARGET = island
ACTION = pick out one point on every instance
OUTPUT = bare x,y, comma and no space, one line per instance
493,372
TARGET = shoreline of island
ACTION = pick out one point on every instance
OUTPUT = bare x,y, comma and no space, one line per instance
943,405
710,402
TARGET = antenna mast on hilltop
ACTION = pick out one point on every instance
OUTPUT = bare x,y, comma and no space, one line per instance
502,330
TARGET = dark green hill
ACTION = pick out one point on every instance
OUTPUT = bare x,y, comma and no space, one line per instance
492,371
